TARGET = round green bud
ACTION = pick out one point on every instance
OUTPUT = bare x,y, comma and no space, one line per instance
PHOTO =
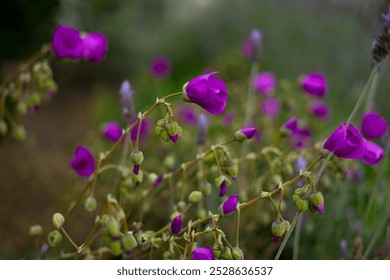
116,247
3,127
161,123
219,180
172,128
232,170
90,204
316,198
137,157
128,240
295,197
165,136
54,238
239,136
226,254
302,204
217,250
158,130
58,220
35,99
287,225
195,196
113,227
36,230
201,213
237,253
278,228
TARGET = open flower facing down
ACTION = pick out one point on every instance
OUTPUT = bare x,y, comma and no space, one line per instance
95,46
83,162
374,153
177,224
208,92
346,143
314,84
373,125
202,253
67,43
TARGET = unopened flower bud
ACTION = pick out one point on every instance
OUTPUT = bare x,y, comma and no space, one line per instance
113,228
137,157
116,247
287,225
172,128
35,230
229,205
169,162
165,136
232,170
244,134
217,250
177,224
302,204
226,254
219,180
19,133
195,196
237,253
21,108
90,204
128,241
316,198
58,220
54,238
278,228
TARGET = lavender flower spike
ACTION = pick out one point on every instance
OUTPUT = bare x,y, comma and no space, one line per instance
126,93
374,153
83,162
95,47
202,253
373,125
244,134
314,84
67,43
229,205
208,92
346,143
177,224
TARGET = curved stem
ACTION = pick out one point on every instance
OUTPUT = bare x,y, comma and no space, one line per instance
281,248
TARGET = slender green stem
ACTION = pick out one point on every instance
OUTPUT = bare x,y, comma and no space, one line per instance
138,131
322,168
69,239
371,94
297,237
238,228
281,248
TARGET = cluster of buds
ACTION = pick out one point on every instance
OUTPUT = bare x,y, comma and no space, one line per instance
168,130
279,228
226,253
305,199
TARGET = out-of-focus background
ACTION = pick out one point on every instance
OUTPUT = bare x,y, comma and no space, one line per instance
302,36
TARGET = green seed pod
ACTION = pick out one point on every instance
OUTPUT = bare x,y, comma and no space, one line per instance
113,227
287,225
295,197
195,196
302,204
237,253
36,230
54,238
128,240
316,198
165,136
58,220
90,204
161,123
217,250
172,128
278,228
137,157
116,247
226,254
3,127
137,178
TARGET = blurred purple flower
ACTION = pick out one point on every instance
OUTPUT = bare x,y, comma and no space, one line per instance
126,93
95,46
202,253
67,43
158,180
301,164
187,114
298,137
314,84
83,162
319,109
203,126
320,208
145,126
374,153
346,143
177,224
208,92
373,125
291,124
160,67
229,205
112,131
270,107
222,189
264,82
251,47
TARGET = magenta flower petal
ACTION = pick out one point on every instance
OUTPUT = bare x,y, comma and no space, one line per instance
291,124
160,67
264,83
320,208
270,107
67,43
374,153
319,109
373,125
112,131
208,92
223,189
229,205
346,143
174,138
300,137
177,224
249,132
314,85
83,162
95,47
202,253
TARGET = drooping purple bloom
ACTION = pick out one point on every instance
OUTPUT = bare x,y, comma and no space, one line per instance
177,224
202,253
346,143
187,114
270,107
314,84
67,43
174,138
95,46
264,83
83,162
208,92
136,169
144,129
229,205
112,131
319,109
251,47
126,93
249,132
373,125
320,208
160,67
374,153
223,188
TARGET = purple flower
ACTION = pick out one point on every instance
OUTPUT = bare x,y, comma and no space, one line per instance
126,94
291,124
67,43
374,153
208,92
229,205
158,181
174,138
112,131
187,114
264,83
95,46
320,208
160,67
202,253
223,188
373,125
244,134
83,162
251,47
177,224
319,109
270,107
314,84
298,137
144,129
301,163
346,143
